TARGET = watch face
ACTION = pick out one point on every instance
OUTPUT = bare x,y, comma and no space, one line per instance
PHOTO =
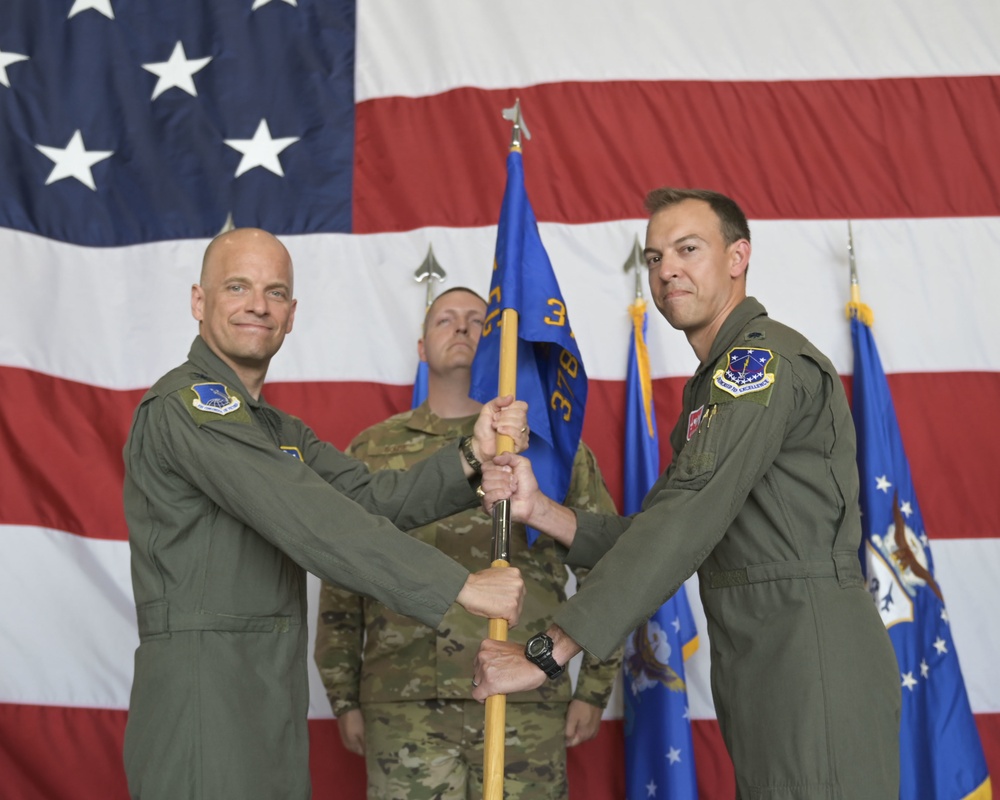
537,646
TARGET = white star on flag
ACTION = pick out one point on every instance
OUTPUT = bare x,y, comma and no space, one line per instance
176,71
261,150
677,624
944,614
73,161
651,789
258,3
882,484
909,681
906,508
6,59
941,645
924,669
674,755
104,6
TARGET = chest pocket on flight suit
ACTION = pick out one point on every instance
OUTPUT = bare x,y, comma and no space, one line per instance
695,464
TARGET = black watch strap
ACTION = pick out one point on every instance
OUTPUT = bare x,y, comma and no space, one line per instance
538,650
470,454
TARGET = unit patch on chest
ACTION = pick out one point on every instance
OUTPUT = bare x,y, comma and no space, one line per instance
209,401
215,398
745,372
292,450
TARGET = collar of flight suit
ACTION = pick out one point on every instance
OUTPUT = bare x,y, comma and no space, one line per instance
205,359
749,309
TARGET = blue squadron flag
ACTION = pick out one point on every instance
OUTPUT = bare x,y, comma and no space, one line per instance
941,757
659,751
419,385
550,373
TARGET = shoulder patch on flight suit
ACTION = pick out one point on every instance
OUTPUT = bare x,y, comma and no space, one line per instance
211,400
292,450
744,373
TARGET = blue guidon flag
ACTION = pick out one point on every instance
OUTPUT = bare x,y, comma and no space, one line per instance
214,397
745,372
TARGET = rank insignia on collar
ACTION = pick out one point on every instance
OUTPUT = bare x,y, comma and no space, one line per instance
214,397
291,450
745,371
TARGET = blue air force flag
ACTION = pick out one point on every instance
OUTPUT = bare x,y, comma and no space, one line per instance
941,756
419,385
550,373
659,753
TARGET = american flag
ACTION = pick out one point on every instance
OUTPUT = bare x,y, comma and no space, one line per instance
361,133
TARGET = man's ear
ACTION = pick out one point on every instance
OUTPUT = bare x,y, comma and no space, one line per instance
421,353
739,252
197,302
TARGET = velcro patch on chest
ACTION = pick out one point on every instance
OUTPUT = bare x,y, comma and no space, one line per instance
745,372
694,420
213,400
292,450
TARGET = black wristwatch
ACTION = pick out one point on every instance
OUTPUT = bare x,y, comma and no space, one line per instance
538,651
470,455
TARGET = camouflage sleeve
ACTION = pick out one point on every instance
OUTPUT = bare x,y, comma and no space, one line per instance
588,491
339,641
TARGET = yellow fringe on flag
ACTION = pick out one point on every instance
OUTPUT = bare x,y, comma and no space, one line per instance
638,312
858,310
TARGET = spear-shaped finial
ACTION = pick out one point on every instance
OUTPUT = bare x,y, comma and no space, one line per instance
636,263
514,115
855,308
429,271
228,225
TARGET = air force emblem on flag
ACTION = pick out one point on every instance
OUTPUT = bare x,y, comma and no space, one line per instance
214,397
745,371
898,567
647,659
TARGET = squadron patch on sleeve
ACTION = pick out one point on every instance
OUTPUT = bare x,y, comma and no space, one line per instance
292,450
214,398
745,372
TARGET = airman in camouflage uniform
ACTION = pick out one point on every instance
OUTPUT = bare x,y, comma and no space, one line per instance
423,732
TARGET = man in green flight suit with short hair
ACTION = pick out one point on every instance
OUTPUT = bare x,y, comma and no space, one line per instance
761,498
229,501
402,691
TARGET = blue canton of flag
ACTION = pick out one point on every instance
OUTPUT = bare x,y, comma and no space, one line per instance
941,756
550,373
659,753
162,119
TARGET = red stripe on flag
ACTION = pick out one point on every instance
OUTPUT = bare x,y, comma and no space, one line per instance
86,743
60,445
907,147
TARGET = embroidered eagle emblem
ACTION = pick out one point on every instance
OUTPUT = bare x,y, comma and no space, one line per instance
647,657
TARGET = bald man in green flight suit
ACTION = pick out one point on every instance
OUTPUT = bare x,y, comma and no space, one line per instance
229,501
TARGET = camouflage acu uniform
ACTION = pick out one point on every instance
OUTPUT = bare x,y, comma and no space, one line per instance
413,682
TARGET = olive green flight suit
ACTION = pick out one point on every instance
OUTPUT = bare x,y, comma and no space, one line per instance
229,501
762,500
